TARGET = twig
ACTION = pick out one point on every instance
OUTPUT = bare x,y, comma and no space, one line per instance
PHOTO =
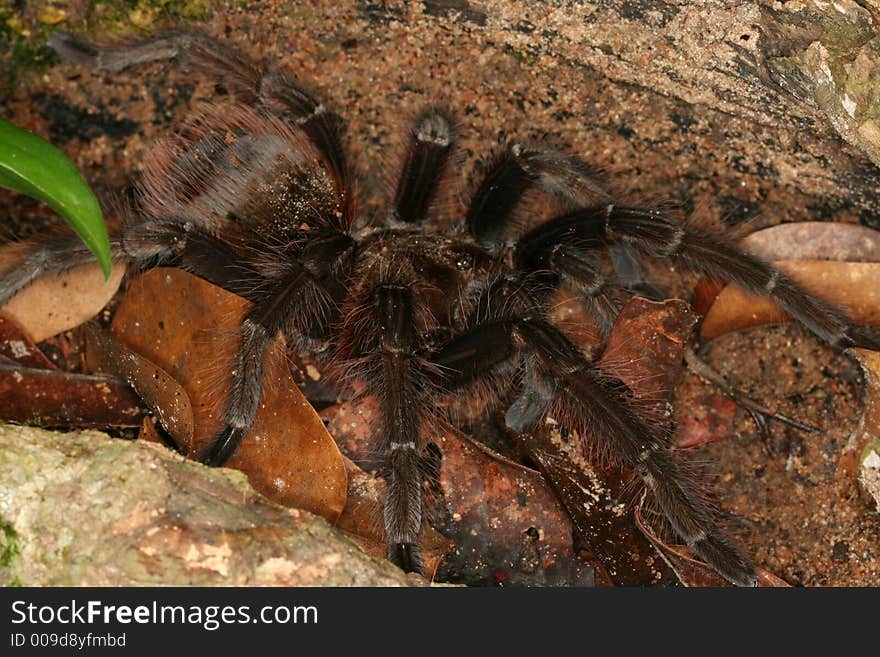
759,412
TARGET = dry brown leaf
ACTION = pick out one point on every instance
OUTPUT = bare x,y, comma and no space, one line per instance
710,418
592,497
57,303
190,328
61,399
16,344
646,347
164,396
849,284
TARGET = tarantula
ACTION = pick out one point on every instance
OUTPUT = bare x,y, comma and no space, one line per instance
259,198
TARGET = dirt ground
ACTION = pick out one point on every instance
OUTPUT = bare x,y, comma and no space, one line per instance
801,514
807,520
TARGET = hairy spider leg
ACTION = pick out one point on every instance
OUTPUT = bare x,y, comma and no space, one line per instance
300,300
295,303
53,257
491,212
578,271
513,172
252,82
401,406
388,345
557,376
381,344
219,262
145,244
432,139
652,234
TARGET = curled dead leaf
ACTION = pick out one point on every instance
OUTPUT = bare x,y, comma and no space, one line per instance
848,284
57,303
815,240
157,389
54,398
189,328
593,498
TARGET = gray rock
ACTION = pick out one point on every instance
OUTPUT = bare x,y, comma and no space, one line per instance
82,509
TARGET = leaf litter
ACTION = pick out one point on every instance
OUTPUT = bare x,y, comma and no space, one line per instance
34,391
189,328
805,496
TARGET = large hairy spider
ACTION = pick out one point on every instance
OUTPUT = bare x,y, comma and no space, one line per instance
258,198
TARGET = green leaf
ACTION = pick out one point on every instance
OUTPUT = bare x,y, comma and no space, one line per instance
33,166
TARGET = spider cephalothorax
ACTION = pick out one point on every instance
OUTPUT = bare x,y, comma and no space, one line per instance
258,198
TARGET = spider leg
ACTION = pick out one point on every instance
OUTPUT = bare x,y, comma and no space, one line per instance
512,173
630,273
491,212
558,376
144,243
244,393
219,263
580,386
652,234
401,415
300,301
521,167
53,257
251,81
382,344
431,143
401,394
578,271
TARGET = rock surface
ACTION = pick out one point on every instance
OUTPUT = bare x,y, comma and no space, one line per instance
82,509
